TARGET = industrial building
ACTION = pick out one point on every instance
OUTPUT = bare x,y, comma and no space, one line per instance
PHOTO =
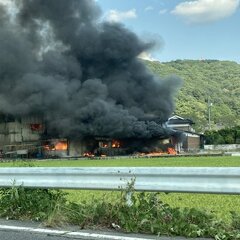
27,137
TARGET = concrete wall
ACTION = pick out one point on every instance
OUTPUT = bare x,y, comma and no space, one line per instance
193,143
17,132
224,147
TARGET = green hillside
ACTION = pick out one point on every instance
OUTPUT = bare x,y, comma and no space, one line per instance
217,80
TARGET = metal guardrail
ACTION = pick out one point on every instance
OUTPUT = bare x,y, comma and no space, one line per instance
156,179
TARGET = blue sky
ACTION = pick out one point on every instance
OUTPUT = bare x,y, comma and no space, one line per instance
193,29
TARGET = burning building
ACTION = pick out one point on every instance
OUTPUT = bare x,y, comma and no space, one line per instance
28,137
74,84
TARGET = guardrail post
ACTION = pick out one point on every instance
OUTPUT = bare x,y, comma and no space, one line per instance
129,199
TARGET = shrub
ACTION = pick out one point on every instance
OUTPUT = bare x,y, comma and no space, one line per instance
223,136
146,213
34,204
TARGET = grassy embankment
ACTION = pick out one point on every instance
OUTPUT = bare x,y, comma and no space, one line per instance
221,205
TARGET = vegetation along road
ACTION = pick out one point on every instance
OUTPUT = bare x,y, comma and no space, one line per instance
173,214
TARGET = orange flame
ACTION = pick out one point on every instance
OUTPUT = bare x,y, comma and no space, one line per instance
88,154
171,151
116,144
61,145
48,147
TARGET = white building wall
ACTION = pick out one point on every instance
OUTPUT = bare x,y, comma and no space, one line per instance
20,131
225,147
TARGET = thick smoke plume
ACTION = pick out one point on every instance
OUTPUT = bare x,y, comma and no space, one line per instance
58,60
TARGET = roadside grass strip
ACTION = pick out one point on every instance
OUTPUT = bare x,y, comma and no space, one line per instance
172,214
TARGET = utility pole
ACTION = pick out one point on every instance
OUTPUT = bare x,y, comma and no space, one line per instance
209,113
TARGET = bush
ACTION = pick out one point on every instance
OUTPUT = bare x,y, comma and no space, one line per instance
34,204
146,213
223,136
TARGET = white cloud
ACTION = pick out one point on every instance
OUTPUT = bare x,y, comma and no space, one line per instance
203,11
162,11
148,8
118,16
147,56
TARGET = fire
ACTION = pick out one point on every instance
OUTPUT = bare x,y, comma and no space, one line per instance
36,127
88,154
171,151
48,147
61,146
151,154
56,146
103,144
116,144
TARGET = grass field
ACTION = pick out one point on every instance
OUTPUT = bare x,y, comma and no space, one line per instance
226,161
221,205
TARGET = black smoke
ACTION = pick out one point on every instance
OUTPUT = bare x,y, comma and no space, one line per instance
61,62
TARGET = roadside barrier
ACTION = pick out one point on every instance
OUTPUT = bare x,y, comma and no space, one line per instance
223,180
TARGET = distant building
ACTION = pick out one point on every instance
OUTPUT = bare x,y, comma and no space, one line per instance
191,141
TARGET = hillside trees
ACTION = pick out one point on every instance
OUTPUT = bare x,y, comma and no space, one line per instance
223,136
213,80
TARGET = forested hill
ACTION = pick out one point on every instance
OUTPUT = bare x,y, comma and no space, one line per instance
203,79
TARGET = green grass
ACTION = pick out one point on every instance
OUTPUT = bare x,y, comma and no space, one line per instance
221,205
226,161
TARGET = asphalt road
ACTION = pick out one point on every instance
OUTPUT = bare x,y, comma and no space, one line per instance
21,235
17,230
5,235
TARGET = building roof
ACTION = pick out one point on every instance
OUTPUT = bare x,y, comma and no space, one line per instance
179,120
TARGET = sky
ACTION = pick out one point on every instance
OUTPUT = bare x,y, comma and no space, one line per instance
182,29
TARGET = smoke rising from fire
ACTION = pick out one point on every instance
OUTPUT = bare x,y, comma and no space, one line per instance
60,62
